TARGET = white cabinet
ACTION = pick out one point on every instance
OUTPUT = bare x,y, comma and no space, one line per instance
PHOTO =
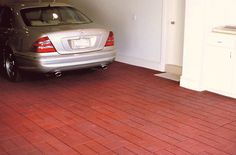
219,67
234,75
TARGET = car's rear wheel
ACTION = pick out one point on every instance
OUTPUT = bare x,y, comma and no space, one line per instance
1,63
11,70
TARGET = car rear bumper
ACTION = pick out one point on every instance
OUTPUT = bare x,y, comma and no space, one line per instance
55,63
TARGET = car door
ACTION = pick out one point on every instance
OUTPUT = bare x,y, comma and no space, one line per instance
6,28
1,18
1,40
5,25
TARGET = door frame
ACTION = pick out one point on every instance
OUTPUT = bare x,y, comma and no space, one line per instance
164,35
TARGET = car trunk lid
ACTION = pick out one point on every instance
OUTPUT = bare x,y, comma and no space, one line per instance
78,41
74,40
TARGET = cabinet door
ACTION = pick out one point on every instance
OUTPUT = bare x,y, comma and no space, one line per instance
234,74
218,69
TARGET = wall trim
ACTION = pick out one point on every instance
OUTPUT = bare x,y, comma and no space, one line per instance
139,62
164,34
190,84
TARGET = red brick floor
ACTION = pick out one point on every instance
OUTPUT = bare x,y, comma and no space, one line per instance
124,110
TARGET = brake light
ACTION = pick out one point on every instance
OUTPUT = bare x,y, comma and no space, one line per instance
44,45
110,39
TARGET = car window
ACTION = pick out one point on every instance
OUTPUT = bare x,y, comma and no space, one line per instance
49,16
5,17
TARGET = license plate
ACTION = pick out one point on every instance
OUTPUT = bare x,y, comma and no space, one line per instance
80,43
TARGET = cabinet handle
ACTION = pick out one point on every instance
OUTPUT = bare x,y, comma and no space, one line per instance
230,55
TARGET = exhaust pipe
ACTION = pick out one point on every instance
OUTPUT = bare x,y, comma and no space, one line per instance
104,67
58,74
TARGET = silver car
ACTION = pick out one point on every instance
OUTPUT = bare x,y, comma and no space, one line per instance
51,38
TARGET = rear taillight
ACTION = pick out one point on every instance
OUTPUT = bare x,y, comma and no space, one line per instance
110,40
44,45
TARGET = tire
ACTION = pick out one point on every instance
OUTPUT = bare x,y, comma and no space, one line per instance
10,67
1,63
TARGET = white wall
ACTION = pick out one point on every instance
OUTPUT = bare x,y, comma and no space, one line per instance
193,44
201,17
137,25
221,12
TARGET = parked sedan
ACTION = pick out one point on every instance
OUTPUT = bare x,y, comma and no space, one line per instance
51,38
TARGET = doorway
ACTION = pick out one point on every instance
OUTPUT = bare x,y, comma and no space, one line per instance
173,37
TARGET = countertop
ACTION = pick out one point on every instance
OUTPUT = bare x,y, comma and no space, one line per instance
225,29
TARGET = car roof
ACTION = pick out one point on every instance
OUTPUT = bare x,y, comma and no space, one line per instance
23,5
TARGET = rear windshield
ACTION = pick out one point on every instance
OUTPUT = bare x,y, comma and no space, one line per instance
50,16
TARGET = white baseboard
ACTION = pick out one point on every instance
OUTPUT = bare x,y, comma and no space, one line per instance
190,84
155,65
